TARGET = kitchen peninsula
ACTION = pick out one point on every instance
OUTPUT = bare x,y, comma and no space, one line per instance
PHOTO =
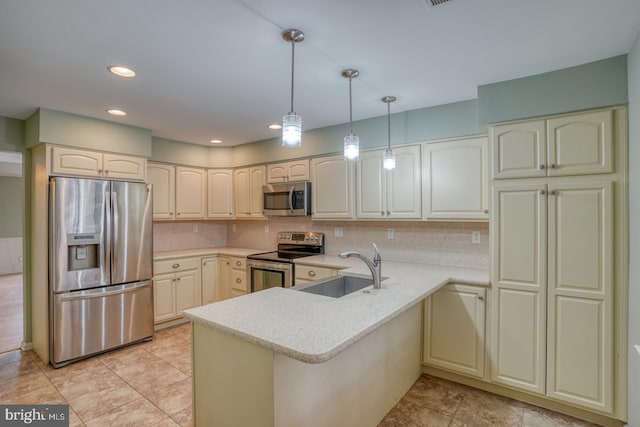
282,357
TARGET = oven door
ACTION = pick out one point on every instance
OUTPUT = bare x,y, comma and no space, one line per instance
268,274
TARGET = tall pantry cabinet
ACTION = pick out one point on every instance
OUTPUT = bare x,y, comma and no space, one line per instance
558,242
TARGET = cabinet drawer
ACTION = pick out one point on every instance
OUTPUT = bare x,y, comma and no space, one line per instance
309,272
176,264
238,263
239,280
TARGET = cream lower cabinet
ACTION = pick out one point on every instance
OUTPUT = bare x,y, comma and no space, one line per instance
309,273
552,275
390,194
232,277
454,329
333,191
456,185
210,280
176,287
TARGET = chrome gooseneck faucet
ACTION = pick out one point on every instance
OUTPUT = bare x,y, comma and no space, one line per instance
375,266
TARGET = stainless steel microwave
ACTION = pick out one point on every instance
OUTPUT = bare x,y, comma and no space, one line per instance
287,199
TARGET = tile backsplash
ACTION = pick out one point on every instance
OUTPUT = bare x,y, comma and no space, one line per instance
430,242
188,235
447,243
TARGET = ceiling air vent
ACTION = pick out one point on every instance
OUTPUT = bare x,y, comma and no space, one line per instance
434,3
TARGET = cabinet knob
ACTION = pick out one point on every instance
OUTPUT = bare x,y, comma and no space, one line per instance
238,280
541,167
486,211
106,172
480,297
552,166
177,279
312,273
175,265
543,192
170,213
382,213
238,263
552,192
388,213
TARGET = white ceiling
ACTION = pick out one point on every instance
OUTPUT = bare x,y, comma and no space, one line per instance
220,69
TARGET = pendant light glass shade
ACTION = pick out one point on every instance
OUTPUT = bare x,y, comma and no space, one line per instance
292,123
292,131
389,159
351,141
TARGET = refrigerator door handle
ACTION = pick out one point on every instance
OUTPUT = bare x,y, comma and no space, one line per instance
101,294
107,235
113,246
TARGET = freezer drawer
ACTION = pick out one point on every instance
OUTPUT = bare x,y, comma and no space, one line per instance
93,321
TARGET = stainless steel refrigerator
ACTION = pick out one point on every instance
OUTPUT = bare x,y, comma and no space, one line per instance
100,266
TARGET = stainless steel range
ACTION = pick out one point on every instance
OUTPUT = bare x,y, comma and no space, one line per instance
276,268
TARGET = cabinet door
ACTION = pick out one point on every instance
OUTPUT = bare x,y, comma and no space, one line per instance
519,150
224,278
404,185
210,291
220,193
276,173
257,179
333,188
454,329
188,290
242,195
163,298
163,179
309,273
298,170
190,192
372,186
580,144
518,275
69,161
124,167
456,180
580,329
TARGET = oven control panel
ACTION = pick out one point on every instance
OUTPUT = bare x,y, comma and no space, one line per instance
301,237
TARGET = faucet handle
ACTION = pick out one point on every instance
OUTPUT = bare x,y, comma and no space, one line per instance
376,257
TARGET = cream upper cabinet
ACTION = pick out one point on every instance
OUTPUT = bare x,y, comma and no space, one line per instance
297,170
552,280
390,194
454,328
163,179
220,193
72,161
577,144
456,178
333,188
191,193
248,184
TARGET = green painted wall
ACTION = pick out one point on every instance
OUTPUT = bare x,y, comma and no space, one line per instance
55,127
425,124
11,210
169,151
596,84
634,233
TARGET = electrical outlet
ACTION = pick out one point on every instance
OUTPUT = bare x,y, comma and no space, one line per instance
475,237
233,228
338,232
637,346
266,228
195,228
391,233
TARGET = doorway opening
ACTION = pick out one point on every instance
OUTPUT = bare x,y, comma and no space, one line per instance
11,243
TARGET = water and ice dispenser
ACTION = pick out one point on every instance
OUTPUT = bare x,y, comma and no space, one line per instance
83,251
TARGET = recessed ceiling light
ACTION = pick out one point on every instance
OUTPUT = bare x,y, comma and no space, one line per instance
121,71
215,141
116,112
275,126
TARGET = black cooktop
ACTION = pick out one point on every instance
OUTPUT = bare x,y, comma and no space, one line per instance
279,256
293,245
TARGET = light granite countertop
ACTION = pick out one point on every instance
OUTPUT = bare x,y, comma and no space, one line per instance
184,253
314,328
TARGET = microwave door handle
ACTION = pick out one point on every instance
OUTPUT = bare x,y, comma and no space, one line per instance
291,199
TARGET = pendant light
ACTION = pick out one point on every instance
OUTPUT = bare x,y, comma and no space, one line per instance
389,160
292,123
351,141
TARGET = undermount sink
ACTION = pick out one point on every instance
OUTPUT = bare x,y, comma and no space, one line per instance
335,287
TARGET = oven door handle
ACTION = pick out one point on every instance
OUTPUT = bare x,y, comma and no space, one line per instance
291,199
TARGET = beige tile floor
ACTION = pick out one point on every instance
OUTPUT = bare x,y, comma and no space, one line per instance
149,384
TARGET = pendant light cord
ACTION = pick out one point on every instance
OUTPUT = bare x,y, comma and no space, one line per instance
350,110
293,57
389,125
